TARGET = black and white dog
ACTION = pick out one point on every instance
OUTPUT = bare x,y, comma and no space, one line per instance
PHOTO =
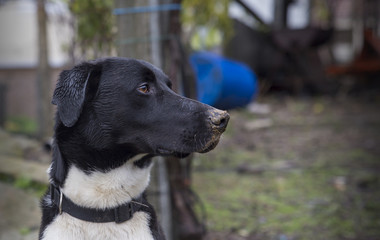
113,116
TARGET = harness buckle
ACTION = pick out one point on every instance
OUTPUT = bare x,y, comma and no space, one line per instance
60,201
54,193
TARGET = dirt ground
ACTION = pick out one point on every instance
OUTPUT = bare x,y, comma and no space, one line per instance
295,168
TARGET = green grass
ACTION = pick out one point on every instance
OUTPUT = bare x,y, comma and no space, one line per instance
332,192
303,204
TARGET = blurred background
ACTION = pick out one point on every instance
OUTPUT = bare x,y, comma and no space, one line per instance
300,78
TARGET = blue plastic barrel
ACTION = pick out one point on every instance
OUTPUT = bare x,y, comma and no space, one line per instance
223,83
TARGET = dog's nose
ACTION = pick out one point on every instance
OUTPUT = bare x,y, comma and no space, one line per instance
219,119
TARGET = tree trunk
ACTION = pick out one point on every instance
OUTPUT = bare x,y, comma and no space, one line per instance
45,118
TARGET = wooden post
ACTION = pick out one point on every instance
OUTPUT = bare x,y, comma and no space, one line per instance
45,118
133,31
281,14
185,223
138,38
138,35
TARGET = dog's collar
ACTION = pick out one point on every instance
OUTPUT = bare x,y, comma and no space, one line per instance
118,214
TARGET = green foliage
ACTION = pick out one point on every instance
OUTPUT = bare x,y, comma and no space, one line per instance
24,183
25,231
95,25
22,125
27,184
208,20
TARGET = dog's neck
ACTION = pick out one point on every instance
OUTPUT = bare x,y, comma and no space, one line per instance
106,189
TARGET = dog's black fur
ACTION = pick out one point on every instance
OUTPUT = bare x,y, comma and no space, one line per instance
110,110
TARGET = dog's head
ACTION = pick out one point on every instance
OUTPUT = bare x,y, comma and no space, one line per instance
119,103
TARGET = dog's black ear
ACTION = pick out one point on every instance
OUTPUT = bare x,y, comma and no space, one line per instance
58,170
70,92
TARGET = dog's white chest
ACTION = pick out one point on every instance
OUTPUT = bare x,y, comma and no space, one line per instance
65,227
102,190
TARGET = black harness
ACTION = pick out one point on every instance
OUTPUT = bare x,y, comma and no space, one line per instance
119,214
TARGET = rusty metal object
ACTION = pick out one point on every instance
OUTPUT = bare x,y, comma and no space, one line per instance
367,62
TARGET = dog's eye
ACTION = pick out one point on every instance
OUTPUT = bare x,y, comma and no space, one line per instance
144,88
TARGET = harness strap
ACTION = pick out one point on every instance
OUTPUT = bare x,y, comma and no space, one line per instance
119,214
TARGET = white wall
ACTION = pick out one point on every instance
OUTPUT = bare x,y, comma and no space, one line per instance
19,33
